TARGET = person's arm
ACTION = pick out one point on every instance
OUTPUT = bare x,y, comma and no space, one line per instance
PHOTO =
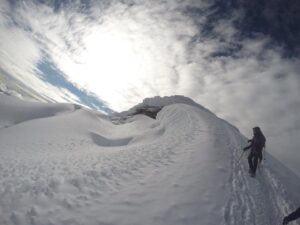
293,216
249,146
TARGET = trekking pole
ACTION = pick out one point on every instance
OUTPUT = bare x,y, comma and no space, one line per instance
239,160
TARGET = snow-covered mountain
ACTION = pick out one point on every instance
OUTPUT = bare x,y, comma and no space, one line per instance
64,164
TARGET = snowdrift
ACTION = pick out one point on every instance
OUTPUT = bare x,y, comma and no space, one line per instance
64,164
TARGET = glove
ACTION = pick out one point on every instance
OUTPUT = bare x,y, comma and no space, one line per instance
285,222
245,149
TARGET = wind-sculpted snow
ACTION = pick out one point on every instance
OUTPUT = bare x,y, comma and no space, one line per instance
61,164
14,111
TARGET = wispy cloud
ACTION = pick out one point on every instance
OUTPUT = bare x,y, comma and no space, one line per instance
230,56
33,34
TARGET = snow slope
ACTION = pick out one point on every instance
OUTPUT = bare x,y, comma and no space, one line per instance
63,164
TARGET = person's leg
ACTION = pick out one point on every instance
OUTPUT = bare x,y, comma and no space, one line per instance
250,156
260,156
255,161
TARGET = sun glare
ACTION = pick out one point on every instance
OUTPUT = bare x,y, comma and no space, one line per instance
113,58
114,61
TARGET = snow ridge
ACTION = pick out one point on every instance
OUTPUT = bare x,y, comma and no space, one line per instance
64,164
151,106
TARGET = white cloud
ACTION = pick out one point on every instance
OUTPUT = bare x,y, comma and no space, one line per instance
126,51
25,37
259,88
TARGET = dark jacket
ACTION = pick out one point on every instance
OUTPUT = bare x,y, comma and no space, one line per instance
257,143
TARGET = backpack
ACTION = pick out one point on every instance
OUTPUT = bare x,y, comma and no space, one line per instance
261,142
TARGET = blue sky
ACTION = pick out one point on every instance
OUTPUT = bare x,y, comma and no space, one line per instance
238,58
52,75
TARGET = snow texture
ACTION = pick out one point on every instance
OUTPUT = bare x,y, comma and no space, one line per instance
61,164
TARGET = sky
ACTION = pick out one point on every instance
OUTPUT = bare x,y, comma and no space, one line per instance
238,58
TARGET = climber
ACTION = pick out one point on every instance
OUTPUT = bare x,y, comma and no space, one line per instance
257,143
